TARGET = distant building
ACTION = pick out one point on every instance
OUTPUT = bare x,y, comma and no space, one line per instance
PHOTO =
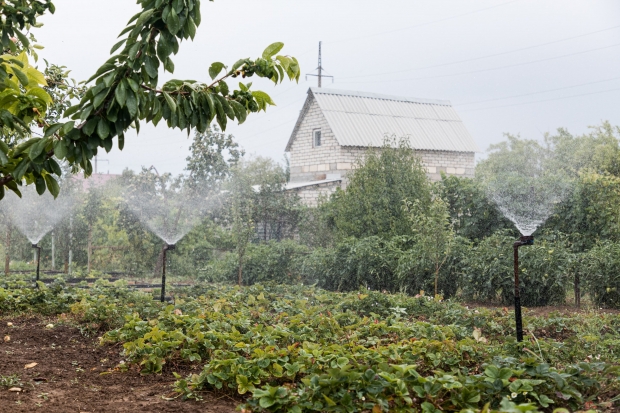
96,180
336,127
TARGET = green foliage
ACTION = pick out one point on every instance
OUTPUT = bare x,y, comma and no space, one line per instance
473,214
125,92
273,261
299,349
398,264
371,205
432,231
543,271
600,272
212,155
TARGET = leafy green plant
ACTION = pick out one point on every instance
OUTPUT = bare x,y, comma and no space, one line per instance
544,267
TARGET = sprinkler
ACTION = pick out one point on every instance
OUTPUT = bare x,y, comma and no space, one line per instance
524,240
38,262
167,247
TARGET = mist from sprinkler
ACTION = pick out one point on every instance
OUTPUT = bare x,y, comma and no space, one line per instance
35,215
526,192
169,209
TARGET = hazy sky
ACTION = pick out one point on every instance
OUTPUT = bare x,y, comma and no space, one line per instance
519,66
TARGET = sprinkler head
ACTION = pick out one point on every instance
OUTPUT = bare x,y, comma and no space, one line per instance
524,240
35,246
170,247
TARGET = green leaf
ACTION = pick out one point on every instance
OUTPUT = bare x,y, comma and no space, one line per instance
267,401
117,45
215,69
66,128
169,65
133,84
164,48
262,99
329,401
121,94
144,17
3,159
90,126
70,111
52,129
99,98
52,185
22,38
151,64
132,104
55,167
191,28
173,22
103,69
171,104
23,79
272,50
103,129
240,111
39,184
38,148
20,169
60,150
4,147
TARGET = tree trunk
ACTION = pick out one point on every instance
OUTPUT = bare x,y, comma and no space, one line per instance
7,254
436,279
158,264
90,247
577,291
239,280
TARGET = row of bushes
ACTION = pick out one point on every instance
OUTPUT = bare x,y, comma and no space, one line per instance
482,272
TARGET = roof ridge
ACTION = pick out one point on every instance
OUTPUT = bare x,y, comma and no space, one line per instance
327,91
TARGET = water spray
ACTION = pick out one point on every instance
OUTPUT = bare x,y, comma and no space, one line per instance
523,240
167,247
36,246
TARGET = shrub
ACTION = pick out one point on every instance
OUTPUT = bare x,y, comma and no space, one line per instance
543,268
600,272
274,261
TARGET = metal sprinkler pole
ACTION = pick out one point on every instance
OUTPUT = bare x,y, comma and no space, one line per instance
167,247
524,240
38,262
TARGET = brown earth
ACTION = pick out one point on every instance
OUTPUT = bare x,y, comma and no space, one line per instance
67,377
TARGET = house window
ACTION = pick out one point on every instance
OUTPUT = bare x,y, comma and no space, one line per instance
316,137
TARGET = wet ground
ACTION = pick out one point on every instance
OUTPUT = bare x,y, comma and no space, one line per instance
68,375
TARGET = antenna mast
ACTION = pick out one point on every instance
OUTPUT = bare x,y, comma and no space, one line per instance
319,69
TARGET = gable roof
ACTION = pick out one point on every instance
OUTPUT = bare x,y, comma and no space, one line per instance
364,119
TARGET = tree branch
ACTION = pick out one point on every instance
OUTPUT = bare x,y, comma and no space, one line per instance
5,180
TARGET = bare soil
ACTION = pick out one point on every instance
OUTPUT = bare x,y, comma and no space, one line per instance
67,377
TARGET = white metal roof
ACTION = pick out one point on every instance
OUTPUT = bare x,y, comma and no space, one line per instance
364,119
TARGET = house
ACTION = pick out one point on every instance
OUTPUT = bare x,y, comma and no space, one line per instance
336,127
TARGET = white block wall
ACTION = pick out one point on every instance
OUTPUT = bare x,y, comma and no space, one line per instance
309,163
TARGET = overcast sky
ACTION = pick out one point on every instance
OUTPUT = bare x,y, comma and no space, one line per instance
508,66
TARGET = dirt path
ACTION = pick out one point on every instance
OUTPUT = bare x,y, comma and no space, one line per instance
67,375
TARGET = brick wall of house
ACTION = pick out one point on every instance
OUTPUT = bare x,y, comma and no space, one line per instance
309,163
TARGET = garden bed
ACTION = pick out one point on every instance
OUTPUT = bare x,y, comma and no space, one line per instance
75,374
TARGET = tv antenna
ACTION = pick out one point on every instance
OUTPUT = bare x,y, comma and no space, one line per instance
320,69
100,160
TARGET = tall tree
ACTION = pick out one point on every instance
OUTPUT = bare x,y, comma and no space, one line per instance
382,180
